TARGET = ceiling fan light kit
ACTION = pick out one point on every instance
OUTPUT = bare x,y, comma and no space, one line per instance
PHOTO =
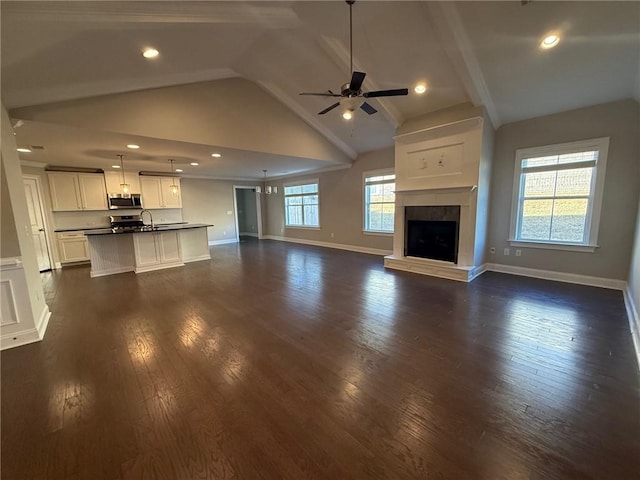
351,92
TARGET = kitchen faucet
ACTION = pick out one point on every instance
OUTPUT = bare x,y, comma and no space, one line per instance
150,216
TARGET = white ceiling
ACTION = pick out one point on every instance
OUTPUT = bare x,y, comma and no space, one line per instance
483,52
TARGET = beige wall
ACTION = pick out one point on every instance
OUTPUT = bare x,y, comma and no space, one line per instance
9,245
441,117
341,205
618,120
209,201
233,113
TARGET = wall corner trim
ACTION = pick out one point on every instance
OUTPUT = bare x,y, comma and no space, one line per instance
634,321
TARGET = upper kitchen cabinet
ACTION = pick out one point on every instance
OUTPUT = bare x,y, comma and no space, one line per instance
156,192
114,180
77,191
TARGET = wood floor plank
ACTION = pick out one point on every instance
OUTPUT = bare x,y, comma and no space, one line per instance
281,361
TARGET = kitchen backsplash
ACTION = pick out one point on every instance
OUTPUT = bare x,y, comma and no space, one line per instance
95,219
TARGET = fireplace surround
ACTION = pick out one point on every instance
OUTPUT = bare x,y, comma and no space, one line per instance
442,186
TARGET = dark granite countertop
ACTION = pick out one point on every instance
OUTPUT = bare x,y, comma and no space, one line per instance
86,229
157,228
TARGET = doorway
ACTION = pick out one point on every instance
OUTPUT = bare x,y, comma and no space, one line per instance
247,212
37,221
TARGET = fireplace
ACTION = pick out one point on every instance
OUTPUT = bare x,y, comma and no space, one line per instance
442,190
432,232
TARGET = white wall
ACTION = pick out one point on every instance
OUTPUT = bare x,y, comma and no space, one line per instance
618,120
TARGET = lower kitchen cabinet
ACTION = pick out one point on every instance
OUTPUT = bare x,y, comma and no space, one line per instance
156,250
73,247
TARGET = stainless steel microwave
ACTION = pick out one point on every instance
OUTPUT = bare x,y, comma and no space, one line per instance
118,201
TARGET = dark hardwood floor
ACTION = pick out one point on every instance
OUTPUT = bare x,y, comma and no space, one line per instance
281,361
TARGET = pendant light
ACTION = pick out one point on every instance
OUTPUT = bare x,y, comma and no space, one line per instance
173,187
268,189
124,186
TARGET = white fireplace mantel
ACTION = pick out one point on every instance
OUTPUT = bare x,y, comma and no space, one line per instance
443,167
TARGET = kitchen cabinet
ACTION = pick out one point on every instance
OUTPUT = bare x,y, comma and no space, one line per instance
156,250
156,192
73,247
77,191
114,179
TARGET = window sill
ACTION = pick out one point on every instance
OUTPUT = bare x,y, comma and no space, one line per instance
301,227
553,246
381,234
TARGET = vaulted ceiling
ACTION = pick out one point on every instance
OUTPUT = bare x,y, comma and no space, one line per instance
74,73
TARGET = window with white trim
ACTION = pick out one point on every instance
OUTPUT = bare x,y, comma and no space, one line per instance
379,201
558,193
301,205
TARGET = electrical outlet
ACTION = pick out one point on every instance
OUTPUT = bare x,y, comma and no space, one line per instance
493,250
518,253
506,251
229,212
224,233
332,235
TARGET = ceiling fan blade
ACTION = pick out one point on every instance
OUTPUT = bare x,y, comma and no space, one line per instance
386,93
330,94
356,81
368,108
328,109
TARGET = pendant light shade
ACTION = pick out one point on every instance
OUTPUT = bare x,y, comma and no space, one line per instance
124,186
173,188
268,189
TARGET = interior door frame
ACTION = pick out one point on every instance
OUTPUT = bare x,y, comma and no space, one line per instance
45,218
258,209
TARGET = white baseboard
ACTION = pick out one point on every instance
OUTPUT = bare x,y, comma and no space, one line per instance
158,266
197,259
30,335
18,339
559,276
339,246
222,242
634,321
43,321
111,271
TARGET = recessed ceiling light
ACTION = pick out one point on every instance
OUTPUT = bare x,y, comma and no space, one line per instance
133,146
216,155
179,170
150,53
115,166
347,115
420,88
550,41
195,164
24,150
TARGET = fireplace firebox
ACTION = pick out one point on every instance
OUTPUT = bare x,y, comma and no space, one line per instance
432,232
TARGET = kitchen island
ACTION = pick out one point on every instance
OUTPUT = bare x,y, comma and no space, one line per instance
146,249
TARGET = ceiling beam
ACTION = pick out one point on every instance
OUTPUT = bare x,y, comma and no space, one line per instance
459,49
277,15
